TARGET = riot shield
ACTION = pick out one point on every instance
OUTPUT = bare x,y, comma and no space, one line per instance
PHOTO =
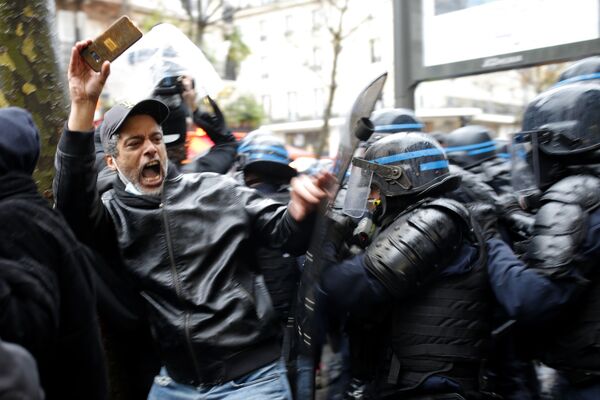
357,128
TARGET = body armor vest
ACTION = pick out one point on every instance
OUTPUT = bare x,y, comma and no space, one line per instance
574,348
444,327
443,330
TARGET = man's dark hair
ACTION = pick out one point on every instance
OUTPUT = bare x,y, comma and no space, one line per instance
111,145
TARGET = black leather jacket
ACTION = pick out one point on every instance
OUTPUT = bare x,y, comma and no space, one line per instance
190,253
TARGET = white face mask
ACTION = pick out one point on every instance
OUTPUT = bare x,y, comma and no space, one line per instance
129,187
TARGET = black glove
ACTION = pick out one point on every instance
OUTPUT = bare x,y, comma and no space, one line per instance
339,233
485,216
518,221
214,124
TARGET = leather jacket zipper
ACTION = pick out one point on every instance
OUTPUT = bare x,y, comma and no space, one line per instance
178,289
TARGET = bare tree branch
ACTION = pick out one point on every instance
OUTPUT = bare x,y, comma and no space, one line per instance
187,6
351,31
210,14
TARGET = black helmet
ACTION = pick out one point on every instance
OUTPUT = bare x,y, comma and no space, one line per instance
407,164
568,118
583,70
470,146
267,156
561,127
393,120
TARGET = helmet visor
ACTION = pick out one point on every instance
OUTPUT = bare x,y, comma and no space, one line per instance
359,187
525,162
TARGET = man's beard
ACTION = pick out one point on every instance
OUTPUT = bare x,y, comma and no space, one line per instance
132,184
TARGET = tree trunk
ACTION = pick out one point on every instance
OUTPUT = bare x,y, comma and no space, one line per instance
200,28
30,76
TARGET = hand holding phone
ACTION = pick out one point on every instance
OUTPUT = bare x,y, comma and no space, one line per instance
85,86
112,43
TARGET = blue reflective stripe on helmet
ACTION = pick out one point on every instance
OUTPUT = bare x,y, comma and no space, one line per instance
586,77
470,146
264,149
428,166
397,127
480,151
267,157
407,156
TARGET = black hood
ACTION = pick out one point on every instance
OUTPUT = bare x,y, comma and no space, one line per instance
19,141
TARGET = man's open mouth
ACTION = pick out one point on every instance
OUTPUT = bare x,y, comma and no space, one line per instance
151,174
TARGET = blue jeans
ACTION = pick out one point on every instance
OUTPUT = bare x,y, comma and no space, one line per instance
305,377
268,382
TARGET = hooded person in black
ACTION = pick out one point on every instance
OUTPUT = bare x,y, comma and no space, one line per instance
47,300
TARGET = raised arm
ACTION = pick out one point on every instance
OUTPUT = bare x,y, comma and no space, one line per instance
75,192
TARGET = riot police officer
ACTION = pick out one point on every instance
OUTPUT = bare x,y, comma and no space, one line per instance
393,120
472,148
582,70
419,299
553,161
263,163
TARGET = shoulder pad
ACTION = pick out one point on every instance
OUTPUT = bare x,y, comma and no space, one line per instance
558,231
583,190
453,207
408,252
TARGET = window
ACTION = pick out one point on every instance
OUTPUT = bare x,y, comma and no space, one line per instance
317,20
266,104
289,23
264,67
292,98
317,59
262,31
375,45
319,99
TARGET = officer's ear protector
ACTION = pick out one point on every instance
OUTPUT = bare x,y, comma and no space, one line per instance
391,173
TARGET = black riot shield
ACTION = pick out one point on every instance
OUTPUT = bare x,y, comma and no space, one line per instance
357,128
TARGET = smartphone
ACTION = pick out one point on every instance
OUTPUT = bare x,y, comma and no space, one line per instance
110,44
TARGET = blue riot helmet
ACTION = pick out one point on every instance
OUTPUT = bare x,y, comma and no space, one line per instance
470,146
254,134
265,155
561,128
245,142
393,120
582,70
404,165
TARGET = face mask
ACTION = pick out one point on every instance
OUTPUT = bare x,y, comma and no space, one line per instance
129,186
